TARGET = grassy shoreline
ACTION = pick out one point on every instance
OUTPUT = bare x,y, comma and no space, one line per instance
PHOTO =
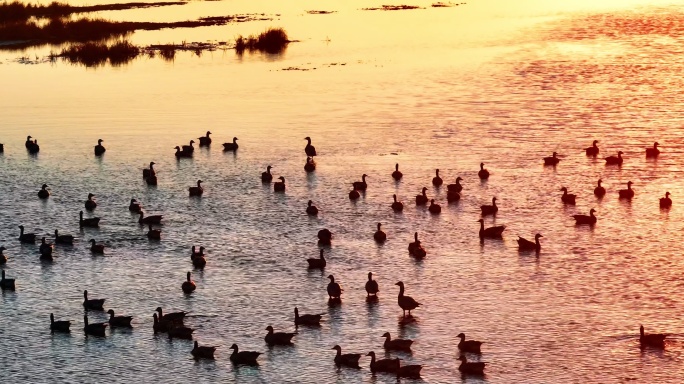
17,11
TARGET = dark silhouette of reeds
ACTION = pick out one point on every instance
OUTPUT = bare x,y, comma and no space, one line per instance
97,54
17,11
273,40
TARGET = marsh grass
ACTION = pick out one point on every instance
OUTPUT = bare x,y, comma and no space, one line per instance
273,40
98,54
17,11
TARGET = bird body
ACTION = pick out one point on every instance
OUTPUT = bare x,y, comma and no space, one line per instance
267,176
92,222
317,263
361,185
585,219
90,204
154,219
26,237
43,193
325,237
453,196
279,186
94,329
45,249
396,344
593,150
371,286
653,152
599,191
232,147
278,338
334,289
626,193
306,319
153,234
99,149
310,165
310,150
63,239
198,190
119,321
422,199
148,172
59,326
397,206
526,245
434,208
406,303
202,352
33,147
483,173
491,232
489,209
189,148
95,304
614,160
347,359
654,340
471,346
567,198
180,154
409,371
171,317
382,365
311,209
397,175
666,202
179,332
3,258
415,248
96,248
470,368
7,284
134,206
437,181
244,357
551,160
379,235
205,141
188,285
456,187
354,194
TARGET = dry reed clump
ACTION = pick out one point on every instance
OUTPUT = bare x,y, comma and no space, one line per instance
273,40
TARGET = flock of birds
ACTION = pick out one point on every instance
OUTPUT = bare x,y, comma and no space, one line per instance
173,323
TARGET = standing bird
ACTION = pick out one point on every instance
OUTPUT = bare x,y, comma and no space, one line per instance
26,237
279,186
599,191
584,219
59,326
334,289
63,239
666,202
471,346
397,175
593,150
93,222
470,368
266,177
653,152
94,329
43,193
7,284
406,303
188,285
311,209
310,165
567,198
397,206
347,359
96,248
278,338
457,187
310,150
99,149
526,245
95,304
551,160
119,321
189,148
483,173
379,235
317,263
361,185
434,208
654,340
422,199
491,232
627,193
202,352
198,190
489,209
615,160
437,181
90,204
306,319
244,357
371,286
205,141
231,146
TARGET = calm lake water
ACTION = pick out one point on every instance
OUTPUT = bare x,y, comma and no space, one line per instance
447,88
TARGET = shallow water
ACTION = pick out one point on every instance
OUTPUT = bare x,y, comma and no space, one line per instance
433,88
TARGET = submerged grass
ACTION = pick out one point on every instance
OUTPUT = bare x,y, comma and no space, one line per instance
17,11
273,40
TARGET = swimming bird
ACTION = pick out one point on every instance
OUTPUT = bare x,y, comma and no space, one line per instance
202,352
92,222
491,232
453,196
159,326
231,146
63,239
179,153
171,317
90,204
310,165
2,148
149,171
382,365
409,371
26,237
311,209
654,340
422,199
135,206
361,185
489,209
45,249
205,141
306,319
627,193
379,235
189,148
188,285
154,234
456,187
7,284
154,219
334,289
551,160
3,258
347,359
95,329
310,150
526,245
96,248
28,142
43,193
406,303
396,344
151,180
397,175
437,181
434,208
279,186
243,357
415,247
615,160
34,147
99,149
324,236
119,321
95,304
198,190
470,368
653,152
567,198
354,195
59,326
267,176
471,346
278,338
599,191
317,263
177,331
371,286
397,206
483,173
666,202
584,219
199,261
593,150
